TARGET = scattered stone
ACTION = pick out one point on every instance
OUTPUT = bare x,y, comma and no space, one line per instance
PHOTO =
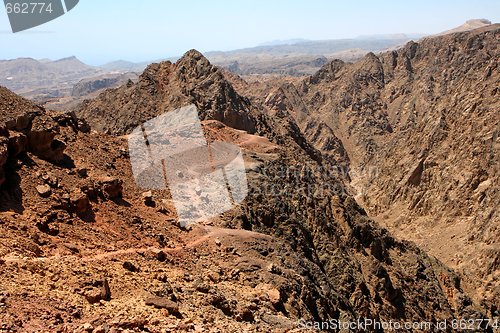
161,256
72,247
130,266
148,198
274,296
245,314
95,295
161,277
87,327
44,190
100,329
213,276
163,207
79,201
220,302
105,291
198,190
82,172
218,242
50,179
272,268
164,303
92,295
201,286
111,187
90,191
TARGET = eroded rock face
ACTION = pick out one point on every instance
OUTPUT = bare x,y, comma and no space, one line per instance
420,129
42,142
18,143
29,128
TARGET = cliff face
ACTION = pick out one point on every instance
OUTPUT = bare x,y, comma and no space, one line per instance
420,127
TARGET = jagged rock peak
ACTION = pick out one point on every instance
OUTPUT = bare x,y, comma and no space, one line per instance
195,64
192,65
192,54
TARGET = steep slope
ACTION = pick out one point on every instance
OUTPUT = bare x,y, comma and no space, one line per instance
420,127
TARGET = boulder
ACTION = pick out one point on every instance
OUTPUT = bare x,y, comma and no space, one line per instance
42,142
111,187
44,190
79,201
148,198
164,303
18,143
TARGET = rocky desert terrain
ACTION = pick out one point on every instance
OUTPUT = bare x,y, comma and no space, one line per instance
373,193
420,126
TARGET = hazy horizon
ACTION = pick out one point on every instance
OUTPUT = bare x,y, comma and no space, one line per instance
98,33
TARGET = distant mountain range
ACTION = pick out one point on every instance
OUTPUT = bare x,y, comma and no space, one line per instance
292,57
23,75
44,80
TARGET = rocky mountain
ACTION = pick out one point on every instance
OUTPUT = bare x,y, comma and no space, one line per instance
85,249
166,86
61,84
294,57
42,79
420,129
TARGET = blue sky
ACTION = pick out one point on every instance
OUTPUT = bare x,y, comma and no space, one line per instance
98,31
